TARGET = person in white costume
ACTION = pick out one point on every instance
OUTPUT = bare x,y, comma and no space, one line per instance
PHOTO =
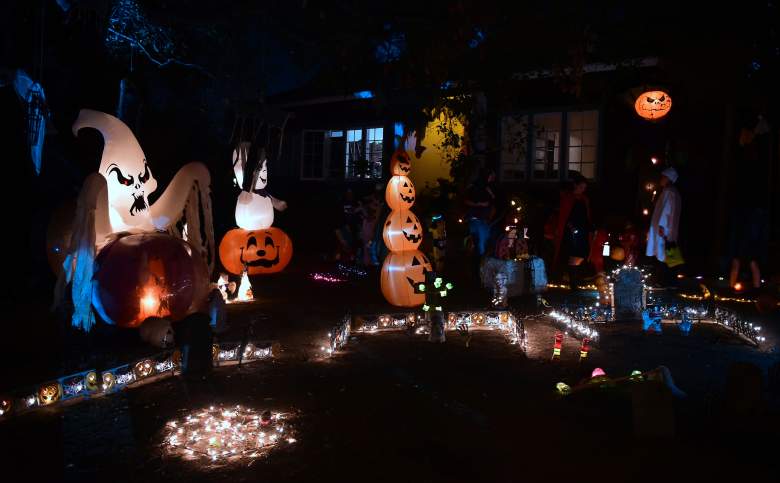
666,217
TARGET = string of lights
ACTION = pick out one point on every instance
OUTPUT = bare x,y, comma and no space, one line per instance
221,436
93,383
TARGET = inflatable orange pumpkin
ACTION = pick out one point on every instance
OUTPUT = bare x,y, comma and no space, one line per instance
400,193
400,164
261,251
145,275
401,273
403,231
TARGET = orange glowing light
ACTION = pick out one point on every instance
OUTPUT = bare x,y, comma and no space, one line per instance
738,286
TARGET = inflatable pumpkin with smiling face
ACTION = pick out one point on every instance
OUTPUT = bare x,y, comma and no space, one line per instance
402,273
260,251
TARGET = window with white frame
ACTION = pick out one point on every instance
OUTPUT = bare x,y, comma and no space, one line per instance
349,153
583,142
533,145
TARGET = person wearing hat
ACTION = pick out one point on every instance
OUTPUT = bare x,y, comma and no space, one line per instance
666,217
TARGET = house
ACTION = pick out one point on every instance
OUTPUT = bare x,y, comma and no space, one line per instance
538,130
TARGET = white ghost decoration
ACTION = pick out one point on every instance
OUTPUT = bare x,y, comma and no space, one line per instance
254,209
116,199
128,177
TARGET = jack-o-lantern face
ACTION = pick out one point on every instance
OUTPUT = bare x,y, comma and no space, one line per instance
402,272
400,164
384,321
49,393
478,319
91,381
653,105
260,251
143,368
403,231
108,381
400,193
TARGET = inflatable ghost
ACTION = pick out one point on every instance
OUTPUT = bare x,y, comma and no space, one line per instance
116,200
254,208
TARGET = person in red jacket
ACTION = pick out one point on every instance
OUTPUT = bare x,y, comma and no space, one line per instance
572,235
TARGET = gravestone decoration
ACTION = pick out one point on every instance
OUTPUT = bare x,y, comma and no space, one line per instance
628,294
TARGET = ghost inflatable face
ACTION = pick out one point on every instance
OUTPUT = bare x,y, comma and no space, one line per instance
129,179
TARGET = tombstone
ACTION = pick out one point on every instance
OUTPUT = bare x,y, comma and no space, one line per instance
628,294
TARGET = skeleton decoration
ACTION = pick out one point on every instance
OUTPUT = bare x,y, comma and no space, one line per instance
653,105
116,200
31,93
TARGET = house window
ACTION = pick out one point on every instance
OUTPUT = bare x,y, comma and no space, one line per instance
583,137
313,155
349,153
559,143
547,145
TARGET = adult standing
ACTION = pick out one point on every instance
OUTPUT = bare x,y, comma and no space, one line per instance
572,235
665,221
480,200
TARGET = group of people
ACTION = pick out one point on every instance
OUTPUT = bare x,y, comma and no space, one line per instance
359,239
578,242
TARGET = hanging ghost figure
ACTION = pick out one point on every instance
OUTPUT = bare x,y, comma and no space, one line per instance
255,206
116,200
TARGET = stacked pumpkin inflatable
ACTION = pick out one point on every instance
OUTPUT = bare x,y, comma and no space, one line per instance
405,266
255,246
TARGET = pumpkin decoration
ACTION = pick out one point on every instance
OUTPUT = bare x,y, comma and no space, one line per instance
400,164
157,331
150,274
653,105
478,318
618,254
402,272
91,381
144,368
260,251
400,193
108,381
403,231
49,393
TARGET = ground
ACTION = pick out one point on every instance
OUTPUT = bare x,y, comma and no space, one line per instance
394,407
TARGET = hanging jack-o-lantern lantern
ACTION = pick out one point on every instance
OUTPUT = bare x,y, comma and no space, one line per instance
403,231
49,393
145,275
653,105
260,251
400,193
402,272
400,164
